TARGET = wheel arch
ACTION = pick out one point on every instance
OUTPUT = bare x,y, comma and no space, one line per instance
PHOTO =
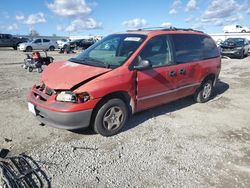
211,76
28,47
123,95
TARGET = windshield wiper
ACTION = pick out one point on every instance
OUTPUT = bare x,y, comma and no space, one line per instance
90,61
103,64
75,60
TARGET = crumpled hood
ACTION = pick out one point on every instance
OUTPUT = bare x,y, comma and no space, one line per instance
65,74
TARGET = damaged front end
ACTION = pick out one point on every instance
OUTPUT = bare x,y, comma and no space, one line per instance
61,108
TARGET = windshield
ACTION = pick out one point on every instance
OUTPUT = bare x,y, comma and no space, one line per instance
234,41
110,52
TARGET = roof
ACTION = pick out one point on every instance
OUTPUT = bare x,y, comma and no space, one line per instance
161,30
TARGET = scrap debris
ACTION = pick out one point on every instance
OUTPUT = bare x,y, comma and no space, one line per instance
21,171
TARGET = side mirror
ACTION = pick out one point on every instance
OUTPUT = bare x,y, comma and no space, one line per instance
144,64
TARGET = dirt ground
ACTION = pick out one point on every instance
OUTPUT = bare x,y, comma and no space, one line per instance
181,144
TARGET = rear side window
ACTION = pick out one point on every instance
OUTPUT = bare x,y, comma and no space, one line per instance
189,47
46,40
210,49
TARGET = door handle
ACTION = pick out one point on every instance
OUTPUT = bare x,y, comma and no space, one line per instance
172,73
182,71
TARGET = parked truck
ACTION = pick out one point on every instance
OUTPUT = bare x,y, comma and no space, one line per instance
235,29
7,40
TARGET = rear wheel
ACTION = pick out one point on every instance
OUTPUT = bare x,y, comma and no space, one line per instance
51,48
204,93
110,117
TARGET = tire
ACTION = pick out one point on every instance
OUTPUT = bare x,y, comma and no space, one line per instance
51,59
110,117
52,48
30,69
242,55
28,49
204,93
243,31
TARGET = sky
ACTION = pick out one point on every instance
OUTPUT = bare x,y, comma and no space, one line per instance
103,17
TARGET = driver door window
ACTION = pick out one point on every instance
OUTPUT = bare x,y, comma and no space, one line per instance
37,41
158,52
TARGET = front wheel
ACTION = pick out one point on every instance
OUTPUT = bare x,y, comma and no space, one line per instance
39,70
30,69
29,49
204,93
110,117
242,55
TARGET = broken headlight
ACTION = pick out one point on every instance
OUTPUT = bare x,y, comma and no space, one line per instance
68,96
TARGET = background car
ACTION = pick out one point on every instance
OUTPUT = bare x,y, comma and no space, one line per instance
61,43
7,40
235,29
38,44
79,43
235,47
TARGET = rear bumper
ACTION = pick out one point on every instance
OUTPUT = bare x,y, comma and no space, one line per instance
64,120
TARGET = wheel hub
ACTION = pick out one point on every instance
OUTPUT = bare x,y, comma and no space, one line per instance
113,118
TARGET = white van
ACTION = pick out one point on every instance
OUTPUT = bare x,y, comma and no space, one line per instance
235,29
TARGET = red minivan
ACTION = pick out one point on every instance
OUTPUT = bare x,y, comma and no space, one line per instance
125,73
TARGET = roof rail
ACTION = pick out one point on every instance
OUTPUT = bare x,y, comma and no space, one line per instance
165,29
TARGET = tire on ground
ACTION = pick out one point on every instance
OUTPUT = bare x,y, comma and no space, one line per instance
204,92
28,49
108,113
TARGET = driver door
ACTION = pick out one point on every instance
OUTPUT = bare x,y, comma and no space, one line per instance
155,85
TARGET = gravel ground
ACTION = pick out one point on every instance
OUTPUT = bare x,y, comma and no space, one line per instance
181,144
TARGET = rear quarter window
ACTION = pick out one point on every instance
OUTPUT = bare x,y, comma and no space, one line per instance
210,49
190,47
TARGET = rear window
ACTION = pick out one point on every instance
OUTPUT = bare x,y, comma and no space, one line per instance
189,47
209,47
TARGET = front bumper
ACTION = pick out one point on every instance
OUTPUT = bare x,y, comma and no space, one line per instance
61,115
64,120
231,53
21,48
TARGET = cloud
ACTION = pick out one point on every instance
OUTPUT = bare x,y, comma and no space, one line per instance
191,5
77,12
218,9
218,14
68,8
166,24
189,19
246,6
80,25
35,19
135,23
20,17
12,27
176,4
